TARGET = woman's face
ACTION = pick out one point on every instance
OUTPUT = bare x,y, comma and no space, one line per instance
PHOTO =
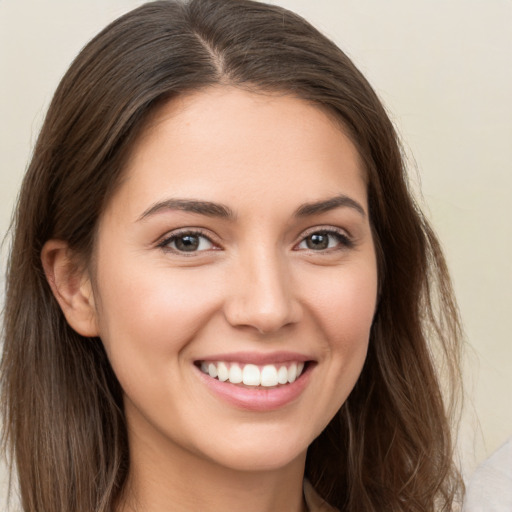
237,248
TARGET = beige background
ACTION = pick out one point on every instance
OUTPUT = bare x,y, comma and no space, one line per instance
444,70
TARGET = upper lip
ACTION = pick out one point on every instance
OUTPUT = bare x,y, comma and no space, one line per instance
258,358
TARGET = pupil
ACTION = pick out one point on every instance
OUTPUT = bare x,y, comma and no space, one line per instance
318,241
187,243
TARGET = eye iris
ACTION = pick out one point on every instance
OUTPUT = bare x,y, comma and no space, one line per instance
187,243
318,241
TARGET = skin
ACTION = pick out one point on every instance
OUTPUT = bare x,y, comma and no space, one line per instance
254,285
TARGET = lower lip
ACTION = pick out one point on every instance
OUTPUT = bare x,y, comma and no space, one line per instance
257,398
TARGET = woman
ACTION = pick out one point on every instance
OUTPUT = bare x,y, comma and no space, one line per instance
220,286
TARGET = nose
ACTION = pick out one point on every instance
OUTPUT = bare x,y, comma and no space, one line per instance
262,294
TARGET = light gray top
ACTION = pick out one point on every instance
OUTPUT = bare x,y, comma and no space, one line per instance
490,487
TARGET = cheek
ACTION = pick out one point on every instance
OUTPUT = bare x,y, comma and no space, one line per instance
153,312
344,304
147,322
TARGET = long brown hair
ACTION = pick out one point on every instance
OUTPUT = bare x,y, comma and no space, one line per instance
389,448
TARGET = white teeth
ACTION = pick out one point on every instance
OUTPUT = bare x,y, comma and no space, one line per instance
222,372
292,373
212,370
269,376
282,375
235,374
251,375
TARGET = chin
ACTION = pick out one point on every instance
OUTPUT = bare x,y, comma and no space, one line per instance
259,453
262,461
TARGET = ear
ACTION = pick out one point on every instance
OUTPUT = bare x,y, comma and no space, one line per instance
71,286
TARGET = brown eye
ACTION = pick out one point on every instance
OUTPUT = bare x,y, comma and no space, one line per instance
317,241
325,240
187,242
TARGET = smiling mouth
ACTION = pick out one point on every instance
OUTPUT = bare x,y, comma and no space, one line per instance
268,375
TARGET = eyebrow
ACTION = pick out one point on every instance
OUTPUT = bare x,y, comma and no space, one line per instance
190,205
211,209
326,205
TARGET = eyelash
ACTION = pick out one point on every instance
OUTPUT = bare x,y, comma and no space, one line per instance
344,241
164,244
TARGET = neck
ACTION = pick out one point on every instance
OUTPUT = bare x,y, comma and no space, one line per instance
176,480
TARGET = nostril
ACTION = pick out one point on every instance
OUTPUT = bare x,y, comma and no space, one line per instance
263,320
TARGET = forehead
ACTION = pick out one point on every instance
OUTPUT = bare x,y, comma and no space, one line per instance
242,144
